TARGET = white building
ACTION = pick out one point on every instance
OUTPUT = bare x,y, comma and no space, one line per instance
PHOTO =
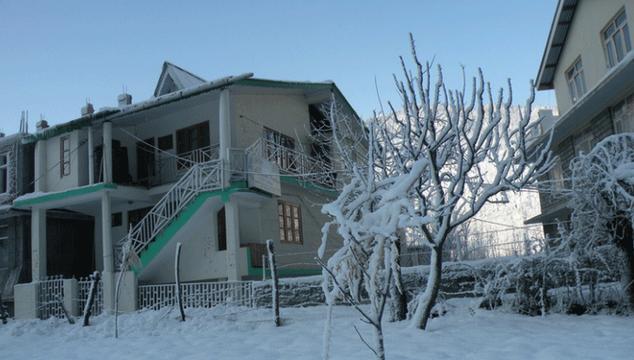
219,166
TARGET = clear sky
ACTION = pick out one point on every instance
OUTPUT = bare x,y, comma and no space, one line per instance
56,54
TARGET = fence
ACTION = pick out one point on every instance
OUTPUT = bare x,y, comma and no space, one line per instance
83,286
197,294
51,296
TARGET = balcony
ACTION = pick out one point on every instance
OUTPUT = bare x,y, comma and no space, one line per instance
170,168
295,163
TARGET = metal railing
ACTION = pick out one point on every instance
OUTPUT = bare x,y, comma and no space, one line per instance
199,177
170,168
197,294
294,162
51,297
83,285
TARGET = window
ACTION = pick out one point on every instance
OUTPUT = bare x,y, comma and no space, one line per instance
166,142
557,176
192,138
4,166
116,220
4,245
277,148
576,81
623,115
616,39
222,230
290,219
583,143
64,156
135,216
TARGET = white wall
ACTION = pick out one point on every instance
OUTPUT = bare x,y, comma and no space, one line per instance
78,162
585,39
287,114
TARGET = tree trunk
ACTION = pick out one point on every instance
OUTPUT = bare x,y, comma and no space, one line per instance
275,291
427,300
91,297
398,299
177,279
380,348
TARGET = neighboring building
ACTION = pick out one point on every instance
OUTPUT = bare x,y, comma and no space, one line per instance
588,61
218,166
16,178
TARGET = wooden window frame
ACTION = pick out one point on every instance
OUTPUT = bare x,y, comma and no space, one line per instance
291,223
64,156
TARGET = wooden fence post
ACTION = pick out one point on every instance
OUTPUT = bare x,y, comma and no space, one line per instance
275,291
91,297
177,263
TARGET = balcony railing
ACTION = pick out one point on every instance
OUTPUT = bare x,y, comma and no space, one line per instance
171,168
296,163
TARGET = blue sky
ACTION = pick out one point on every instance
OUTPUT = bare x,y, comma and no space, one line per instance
56,54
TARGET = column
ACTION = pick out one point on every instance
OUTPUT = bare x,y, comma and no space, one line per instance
40,166
91,157
107,152
232,223
38,244
224,132
108,258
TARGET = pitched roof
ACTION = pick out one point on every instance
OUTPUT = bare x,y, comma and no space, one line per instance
174,78
555,44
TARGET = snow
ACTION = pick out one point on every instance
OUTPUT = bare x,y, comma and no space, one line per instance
220,333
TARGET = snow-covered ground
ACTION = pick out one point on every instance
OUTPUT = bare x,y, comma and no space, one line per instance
217,334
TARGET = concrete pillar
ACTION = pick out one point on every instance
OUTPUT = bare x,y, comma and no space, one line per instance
224,131
127,292
38,244
26,300
71,297
232,223
107,152
108,258
40,166
91,157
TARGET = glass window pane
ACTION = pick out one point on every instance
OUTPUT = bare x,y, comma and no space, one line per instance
295,211
609,31
610,50
297,238
282,237
280,209
626,37
620,19
618,45
289,235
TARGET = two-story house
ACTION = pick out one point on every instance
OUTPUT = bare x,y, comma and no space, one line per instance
219,166
589,63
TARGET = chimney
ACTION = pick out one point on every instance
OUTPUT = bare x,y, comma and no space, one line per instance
124,99
41,125
87,109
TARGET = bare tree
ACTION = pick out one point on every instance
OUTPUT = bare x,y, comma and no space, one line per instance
603,204
426,170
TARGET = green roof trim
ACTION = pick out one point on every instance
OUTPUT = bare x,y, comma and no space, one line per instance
47,197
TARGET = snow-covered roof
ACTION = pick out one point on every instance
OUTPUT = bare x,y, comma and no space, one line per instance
556,42
174,78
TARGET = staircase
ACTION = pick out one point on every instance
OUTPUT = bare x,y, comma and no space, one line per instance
201,177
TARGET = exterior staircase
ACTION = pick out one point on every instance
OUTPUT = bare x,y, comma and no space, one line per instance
201,177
